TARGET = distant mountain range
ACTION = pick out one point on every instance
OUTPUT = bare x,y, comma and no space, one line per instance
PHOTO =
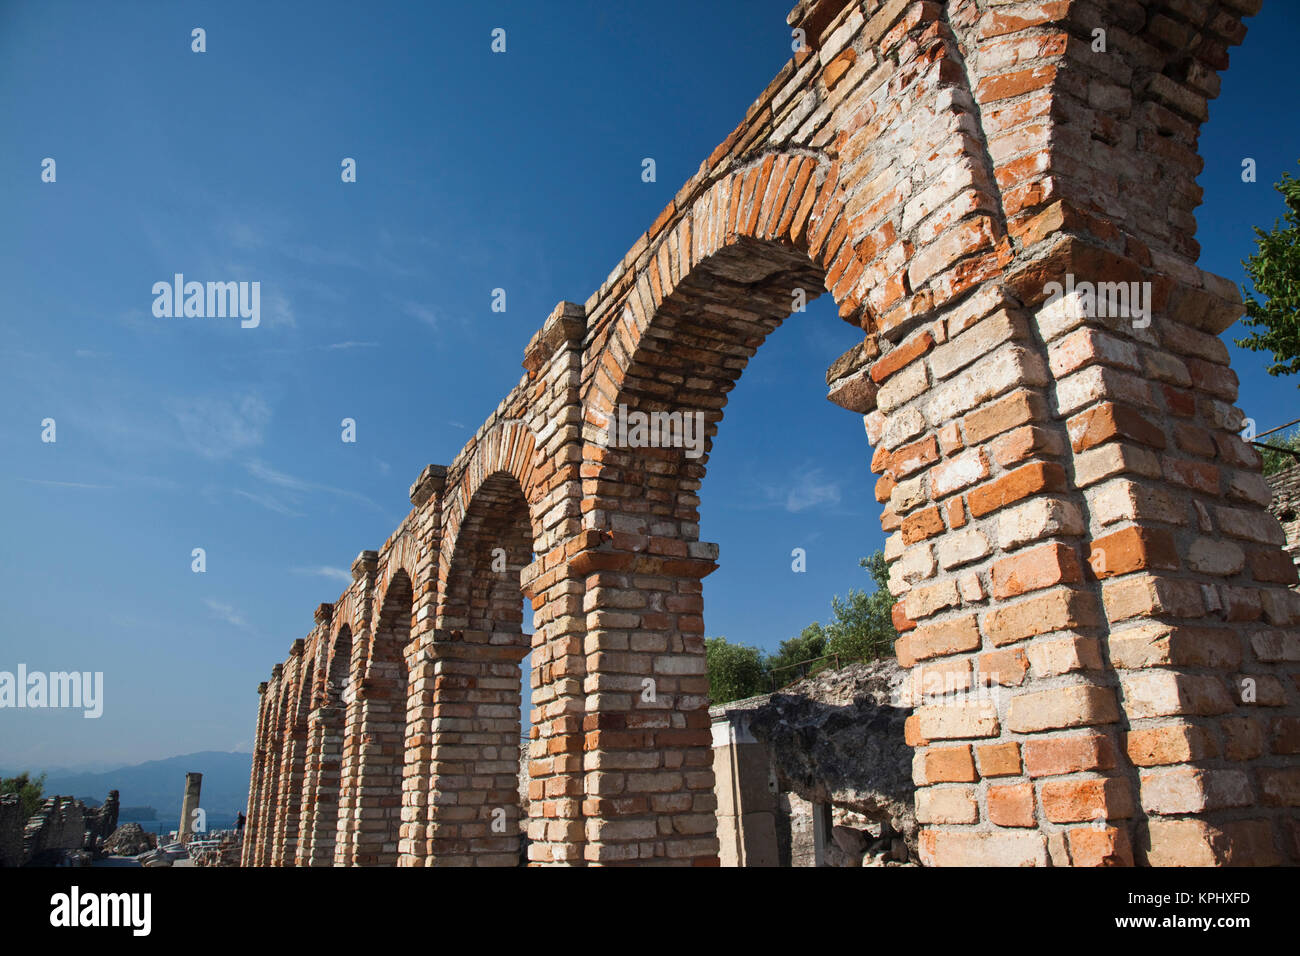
161,783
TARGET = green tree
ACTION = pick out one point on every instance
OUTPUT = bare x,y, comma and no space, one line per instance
863,629
1275,460
29,791
1274,271
811,643
735,670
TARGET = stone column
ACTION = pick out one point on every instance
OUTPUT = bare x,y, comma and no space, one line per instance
190,803
363,577
417,773
555,589
474,810
747,806
647,750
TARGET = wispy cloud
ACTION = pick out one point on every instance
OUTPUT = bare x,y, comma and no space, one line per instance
62,484
807,488
331,347
224,612
219,427
323,571
812,490
265,473
417,310
270,503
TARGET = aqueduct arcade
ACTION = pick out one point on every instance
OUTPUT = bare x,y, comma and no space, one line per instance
1071,513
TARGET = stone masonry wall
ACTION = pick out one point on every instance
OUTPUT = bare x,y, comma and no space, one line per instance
1099,623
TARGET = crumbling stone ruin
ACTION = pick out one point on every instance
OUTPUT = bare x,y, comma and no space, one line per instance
130,839
101,822
818,774
63,830
1000,195
223,849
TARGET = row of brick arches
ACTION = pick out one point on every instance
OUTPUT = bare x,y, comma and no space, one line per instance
1072,518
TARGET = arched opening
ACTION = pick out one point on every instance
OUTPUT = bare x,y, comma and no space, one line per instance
271,813
477,818
651,719
337,693
295,757
384,696
797,517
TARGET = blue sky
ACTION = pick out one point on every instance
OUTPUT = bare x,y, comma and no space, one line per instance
475,171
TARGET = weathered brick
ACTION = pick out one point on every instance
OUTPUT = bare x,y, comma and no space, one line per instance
998,760
1074,800
950,765
1034,569
1054,610
1027,480
1069,753
1011,805
1078,705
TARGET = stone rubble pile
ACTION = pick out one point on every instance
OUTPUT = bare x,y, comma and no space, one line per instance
130,839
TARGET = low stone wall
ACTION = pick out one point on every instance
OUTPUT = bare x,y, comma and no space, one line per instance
60,825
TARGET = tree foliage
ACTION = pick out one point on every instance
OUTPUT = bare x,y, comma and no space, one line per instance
30,791
735,670
1274,272
861,629
1275,460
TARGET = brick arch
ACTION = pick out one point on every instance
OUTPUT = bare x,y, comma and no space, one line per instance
478,602
341,620
398,565
475,657
326,731
508,448
775,201
721,281
293,762
259,809
338,672
274,761
382,696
